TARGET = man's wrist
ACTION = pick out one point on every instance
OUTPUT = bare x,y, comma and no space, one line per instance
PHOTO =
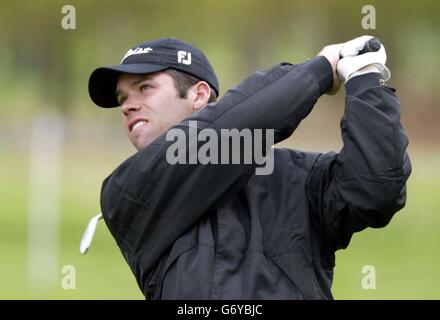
360,83
322,71
368,69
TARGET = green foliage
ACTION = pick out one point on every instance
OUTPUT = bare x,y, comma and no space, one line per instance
240,36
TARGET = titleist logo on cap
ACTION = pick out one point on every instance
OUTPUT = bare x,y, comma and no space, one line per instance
138,50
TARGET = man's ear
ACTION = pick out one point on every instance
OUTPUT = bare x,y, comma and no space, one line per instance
201,92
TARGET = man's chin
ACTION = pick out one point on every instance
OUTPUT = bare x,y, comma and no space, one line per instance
141,142
143,137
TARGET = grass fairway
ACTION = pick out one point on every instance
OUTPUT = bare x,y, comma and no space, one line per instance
405,255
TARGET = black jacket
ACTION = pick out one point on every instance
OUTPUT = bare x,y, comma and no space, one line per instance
222,232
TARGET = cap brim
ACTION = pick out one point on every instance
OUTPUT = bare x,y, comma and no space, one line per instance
102,81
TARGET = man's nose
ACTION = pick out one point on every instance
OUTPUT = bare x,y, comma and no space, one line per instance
130,105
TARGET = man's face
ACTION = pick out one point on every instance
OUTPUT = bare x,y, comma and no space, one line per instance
150,106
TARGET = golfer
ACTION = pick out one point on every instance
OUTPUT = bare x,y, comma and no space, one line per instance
220,231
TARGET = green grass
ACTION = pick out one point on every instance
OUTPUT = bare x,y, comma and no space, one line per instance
405,254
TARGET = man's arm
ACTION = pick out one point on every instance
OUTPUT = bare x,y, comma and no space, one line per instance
148,203
365,184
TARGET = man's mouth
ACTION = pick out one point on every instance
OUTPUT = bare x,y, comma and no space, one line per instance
137,123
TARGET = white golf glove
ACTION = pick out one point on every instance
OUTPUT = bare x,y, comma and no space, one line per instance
352,64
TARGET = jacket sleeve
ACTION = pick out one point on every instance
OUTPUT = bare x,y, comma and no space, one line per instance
147,203
365,184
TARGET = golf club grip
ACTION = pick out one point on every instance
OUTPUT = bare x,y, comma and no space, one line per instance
371,45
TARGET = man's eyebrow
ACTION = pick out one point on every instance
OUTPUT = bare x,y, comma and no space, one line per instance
136,82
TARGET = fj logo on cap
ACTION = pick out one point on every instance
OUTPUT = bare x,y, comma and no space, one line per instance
138,50
184,57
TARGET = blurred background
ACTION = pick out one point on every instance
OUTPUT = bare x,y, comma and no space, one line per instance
56,146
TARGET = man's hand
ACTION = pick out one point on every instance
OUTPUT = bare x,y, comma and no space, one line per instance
353,64
332,52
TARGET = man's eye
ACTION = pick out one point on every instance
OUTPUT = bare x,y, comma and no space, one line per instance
145,87
121,101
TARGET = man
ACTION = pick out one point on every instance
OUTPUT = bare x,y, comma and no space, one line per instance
219,231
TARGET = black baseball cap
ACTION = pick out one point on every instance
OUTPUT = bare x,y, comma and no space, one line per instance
148,57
